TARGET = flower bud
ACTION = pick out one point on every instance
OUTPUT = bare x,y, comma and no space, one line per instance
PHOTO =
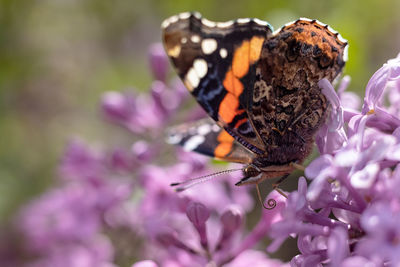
158,62
145,263
198,214
117,106
231,219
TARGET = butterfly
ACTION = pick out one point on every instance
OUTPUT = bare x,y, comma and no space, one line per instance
259,88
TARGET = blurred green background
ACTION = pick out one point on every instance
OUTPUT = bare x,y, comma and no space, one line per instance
58,56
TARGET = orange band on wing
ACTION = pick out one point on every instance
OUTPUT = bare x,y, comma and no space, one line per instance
228,108
240,63
245,55
255,48
225,145
233,84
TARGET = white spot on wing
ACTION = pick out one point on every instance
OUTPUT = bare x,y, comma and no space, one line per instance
192,78
195,38
320,23
341,39
208,23
165,24
244,20
346,53
332,30
197,15
306,19
200,66
184,40
208,46
204,129
169,21
173,19
261,22
223,52
184,15
225,24
193,142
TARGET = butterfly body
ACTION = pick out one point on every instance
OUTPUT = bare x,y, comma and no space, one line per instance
259,86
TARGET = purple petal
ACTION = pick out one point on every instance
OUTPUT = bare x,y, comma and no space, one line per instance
165,100
356,261
145,263
347,158
302,186
338,246
197,213
376,85
254,258
117,106
143,151
122,160
344,83
231,219
348,114
350,101
158,61
396,133
329,92
317,186
317,165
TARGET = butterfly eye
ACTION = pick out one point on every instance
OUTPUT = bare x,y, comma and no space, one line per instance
251,171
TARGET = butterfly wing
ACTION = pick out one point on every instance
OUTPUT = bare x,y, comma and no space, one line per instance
216,62
207,138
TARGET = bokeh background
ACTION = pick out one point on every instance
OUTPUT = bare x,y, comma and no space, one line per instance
58,56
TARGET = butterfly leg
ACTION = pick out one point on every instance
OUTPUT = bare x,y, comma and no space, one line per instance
276,185
297,166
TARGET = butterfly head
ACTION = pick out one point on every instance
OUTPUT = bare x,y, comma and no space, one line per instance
251,175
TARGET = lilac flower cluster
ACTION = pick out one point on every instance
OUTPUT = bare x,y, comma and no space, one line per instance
63,227
349,214
115,207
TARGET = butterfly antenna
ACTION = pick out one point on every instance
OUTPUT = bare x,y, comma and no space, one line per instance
191,182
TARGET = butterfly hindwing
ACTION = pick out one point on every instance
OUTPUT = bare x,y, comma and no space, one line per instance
216,62
207,138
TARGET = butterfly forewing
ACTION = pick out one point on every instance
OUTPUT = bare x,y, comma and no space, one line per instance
216,62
